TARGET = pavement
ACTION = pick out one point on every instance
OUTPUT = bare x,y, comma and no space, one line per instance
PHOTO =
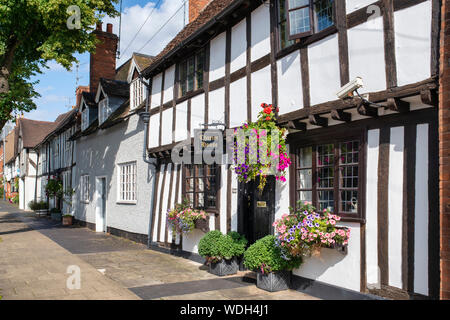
36,255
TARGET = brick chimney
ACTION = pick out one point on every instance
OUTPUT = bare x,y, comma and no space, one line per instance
103,61
195,7
78,93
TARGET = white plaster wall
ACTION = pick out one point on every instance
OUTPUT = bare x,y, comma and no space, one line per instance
216,110
238,102
191,240
169,80
290,94
181,122
261,90
165,199
395,206
98,155
260,31
413,43
334,268
153,132
167,119
238,46
353,5
197,112
366,55
21,194
223,200
234,201
217,57
373,145
159,190
29,187
156,91
324,70
421,212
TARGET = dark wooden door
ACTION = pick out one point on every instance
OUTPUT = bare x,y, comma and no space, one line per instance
256,209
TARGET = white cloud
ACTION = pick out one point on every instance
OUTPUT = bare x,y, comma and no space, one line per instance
133,18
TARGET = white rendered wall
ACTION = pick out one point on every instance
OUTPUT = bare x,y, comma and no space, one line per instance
165,199
153,132
216,110
238,102
197,112
261,90
167,119
413,43
324,72
156,91
353,5
395,206
217,57
421,212
169,80
290,94
238,46
159,190
181,121
373,145
260,31
366,55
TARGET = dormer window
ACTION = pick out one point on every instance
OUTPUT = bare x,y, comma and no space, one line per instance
104,111
85,119
137,93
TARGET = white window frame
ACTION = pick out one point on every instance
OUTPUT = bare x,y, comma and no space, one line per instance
85,119
103,110
137,93
84,188
127,182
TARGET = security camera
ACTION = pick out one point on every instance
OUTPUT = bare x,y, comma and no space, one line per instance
347,90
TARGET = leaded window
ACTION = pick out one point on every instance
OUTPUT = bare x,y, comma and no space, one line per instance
191,73
201,185
329,176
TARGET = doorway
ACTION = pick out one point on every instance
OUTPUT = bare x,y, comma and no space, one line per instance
256,210
100,207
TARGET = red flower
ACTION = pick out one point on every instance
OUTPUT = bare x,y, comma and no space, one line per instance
277,109
267,118
268,110
263,105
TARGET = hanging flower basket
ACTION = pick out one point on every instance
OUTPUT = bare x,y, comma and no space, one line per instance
305,232
260,149
184,219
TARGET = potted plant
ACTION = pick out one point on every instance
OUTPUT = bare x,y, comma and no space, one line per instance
260,149
221,251
305,231
55,214
184,219
42,208
273,270
67,220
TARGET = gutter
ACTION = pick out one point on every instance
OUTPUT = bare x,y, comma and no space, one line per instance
145,117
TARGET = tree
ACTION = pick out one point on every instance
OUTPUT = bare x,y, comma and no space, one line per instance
34,32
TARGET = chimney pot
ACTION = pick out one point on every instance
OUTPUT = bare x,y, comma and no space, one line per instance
109,28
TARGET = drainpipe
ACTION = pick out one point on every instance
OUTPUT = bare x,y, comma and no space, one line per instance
145,118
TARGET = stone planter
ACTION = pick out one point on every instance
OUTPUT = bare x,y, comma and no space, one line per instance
67,220
202,224
224,267
274,281
56,216
41,213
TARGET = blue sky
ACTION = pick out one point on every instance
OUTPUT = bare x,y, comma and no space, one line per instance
57,86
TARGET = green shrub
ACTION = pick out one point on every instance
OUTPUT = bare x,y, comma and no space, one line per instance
34,205
55,210
264,256
215,246
15,199
43,205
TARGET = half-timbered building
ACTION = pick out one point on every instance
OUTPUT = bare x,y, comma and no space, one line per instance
372,158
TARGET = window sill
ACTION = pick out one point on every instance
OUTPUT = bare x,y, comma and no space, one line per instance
127,202
189,95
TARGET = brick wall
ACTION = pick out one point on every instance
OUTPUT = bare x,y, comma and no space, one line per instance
444,148
195,7
103,61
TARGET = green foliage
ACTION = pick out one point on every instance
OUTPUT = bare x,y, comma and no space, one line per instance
215,246
264,256
34,32
15,199
38,205
54,188
2,191
55,210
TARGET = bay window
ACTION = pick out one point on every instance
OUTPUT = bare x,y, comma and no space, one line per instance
329,176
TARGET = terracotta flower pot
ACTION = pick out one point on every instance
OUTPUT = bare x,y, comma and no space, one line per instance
67,220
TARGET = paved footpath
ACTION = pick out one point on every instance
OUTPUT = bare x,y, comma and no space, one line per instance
36,252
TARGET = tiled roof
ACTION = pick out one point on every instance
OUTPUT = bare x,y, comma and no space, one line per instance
33,131
115,87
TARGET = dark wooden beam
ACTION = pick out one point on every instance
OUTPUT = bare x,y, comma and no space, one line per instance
396,104
317,120
365,110
429,97
296,124
341,115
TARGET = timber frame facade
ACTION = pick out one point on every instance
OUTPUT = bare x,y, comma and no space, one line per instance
394,250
